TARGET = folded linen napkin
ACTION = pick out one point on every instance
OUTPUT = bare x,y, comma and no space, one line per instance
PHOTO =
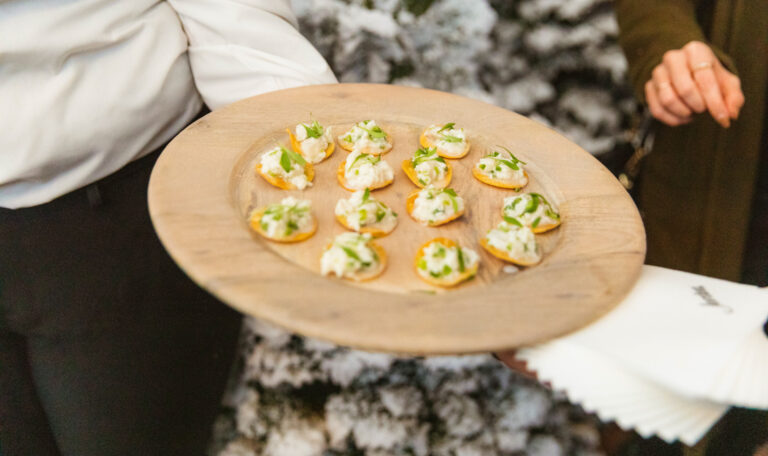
670,359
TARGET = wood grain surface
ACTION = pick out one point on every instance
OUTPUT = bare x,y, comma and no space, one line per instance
204,186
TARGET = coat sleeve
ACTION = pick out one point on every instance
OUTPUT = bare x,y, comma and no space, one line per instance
649,28
240,48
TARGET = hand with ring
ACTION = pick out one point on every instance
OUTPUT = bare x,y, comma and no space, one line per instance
691,80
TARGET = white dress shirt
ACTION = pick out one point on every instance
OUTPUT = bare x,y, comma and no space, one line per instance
87,86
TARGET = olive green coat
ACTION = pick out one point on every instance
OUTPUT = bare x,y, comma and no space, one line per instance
697,186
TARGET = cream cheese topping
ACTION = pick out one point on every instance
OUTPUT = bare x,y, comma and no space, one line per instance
440,261
531,209
287,165
314,140
503,166
516,240
361,209
363,171
367,136
348,255
435,205
429,167
448,138
286,218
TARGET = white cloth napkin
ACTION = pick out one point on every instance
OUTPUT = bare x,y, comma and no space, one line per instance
670,359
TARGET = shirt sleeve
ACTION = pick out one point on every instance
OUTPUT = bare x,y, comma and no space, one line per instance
649,28
241,48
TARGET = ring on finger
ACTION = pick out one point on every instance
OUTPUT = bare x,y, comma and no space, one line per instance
701,66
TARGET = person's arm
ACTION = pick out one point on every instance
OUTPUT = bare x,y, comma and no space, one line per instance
672,67
241,48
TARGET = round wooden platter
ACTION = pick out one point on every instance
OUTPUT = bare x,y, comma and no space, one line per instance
204,186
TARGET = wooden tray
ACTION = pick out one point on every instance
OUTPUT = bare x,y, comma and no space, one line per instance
204,185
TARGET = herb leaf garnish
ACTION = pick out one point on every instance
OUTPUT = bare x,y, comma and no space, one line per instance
374,132
508,163
350,253
313,131
288,157
513,221
296,157
532,205
547,207
423,154
292,213
372,159
450,138
285,161
452,193
515,159
446,137
513,162
447,126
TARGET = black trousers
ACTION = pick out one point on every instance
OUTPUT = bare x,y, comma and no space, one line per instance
106,347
